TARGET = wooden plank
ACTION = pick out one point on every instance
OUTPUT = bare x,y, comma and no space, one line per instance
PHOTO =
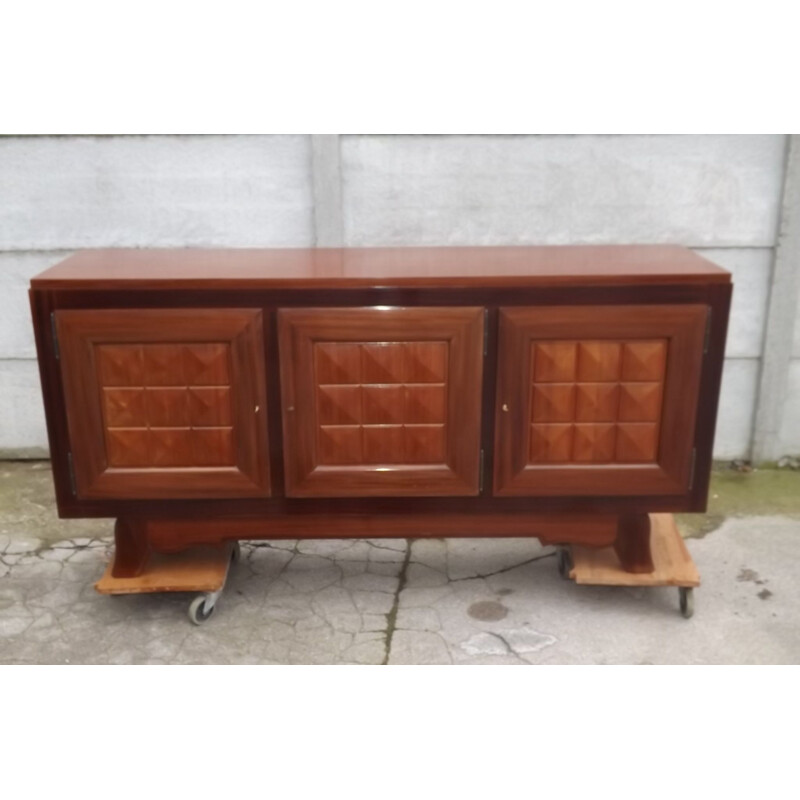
200,569
673,564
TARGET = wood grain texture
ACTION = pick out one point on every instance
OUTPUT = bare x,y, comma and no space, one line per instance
202,280
381,401
131,547
172,535
198,569
597,400
632,544
609,401
368,267
672,564
165,403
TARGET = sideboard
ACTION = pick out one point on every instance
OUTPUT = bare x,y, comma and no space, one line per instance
204,396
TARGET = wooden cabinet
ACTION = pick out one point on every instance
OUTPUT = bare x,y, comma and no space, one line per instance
561,393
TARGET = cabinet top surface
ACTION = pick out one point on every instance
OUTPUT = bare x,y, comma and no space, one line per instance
449,267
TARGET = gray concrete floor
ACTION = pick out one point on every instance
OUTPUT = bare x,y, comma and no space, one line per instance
424,601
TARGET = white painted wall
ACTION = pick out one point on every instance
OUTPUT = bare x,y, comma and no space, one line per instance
58,194
717,194
700,191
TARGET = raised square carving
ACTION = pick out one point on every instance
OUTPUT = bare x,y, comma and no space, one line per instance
179,415
210,406
124,408
426,362
637,442
167,407
337,362
553,402
425,403
596,402
402,384
127,448
164,365
383,362
551,443
612,382
599,361
554,362
340,445
644,361
207,364
339,405
120,364
640,402
383,405
594,442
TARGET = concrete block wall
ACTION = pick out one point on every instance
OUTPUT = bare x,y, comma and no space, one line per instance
718,194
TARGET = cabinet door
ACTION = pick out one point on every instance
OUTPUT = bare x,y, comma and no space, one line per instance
165,403
381,401
597,400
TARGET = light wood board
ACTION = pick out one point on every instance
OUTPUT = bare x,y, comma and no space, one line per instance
673,564
200,569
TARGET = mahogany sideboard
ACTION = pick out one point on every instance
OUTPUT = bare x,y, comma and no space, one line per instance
200,396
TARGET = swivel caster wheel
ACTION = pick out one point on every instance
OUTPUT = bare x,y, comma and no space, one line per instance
201,608
687,601
564,562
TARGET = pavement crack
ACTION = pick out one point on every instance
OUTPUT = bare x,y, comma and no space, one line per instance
503,570
391,617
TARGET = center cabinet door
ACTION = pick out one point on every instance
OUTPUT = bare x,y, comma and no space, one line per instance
597,400
381,401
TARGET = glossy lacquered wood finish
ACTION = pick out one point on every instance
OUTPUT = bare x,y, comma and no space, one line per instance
597,400
596,530
43,303
381,401
494,279
165,403
319,268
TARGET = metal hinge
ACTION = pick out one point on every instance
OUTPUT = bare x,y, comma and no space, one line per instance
71,470
485,332
55,334
691,468
708,332
480,475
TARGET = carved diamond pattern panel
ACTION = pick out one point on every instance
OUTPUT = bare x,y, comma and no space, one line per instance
381,402
596,402
166,405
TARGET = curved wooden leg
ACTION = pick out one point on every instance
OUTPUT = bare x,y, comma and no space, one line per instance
131,548
632,544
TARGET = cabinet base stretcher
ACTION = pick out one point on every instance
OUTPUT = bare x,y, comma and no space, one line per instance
672,564
202,569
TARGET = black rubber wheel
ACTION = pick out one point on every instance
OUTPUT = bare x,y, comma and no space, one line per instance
564,562
686,594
